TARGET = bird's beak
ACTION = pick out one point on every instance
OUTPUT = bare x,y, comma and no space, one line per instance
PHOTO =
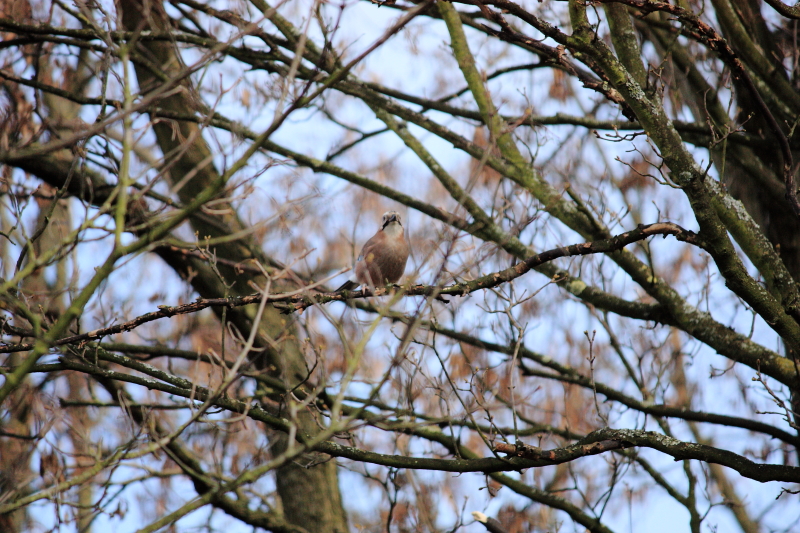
391,219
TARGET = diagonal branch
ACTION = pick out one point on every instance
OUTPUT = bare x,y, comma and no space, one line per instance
715,41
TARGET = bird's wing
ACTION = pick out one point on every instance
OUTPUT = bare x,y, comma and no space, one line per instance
367,269
369,246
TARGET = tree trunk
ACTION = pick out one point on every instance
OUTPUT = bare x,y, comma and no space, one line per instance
310,495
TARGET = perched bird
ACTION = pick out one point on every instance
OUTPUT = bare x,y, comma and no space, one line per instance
383,258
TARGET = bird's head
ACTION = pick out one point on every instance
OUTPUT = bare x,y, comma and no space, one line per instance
391,217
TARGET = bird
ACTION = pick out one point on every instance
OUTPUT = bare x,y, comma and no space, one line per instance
383,258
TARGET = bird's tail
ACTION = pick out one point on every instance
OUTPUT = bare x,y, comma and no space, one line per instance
349,285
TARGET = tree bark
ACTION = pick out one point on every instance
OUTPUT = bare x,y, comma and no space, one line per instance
309,494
